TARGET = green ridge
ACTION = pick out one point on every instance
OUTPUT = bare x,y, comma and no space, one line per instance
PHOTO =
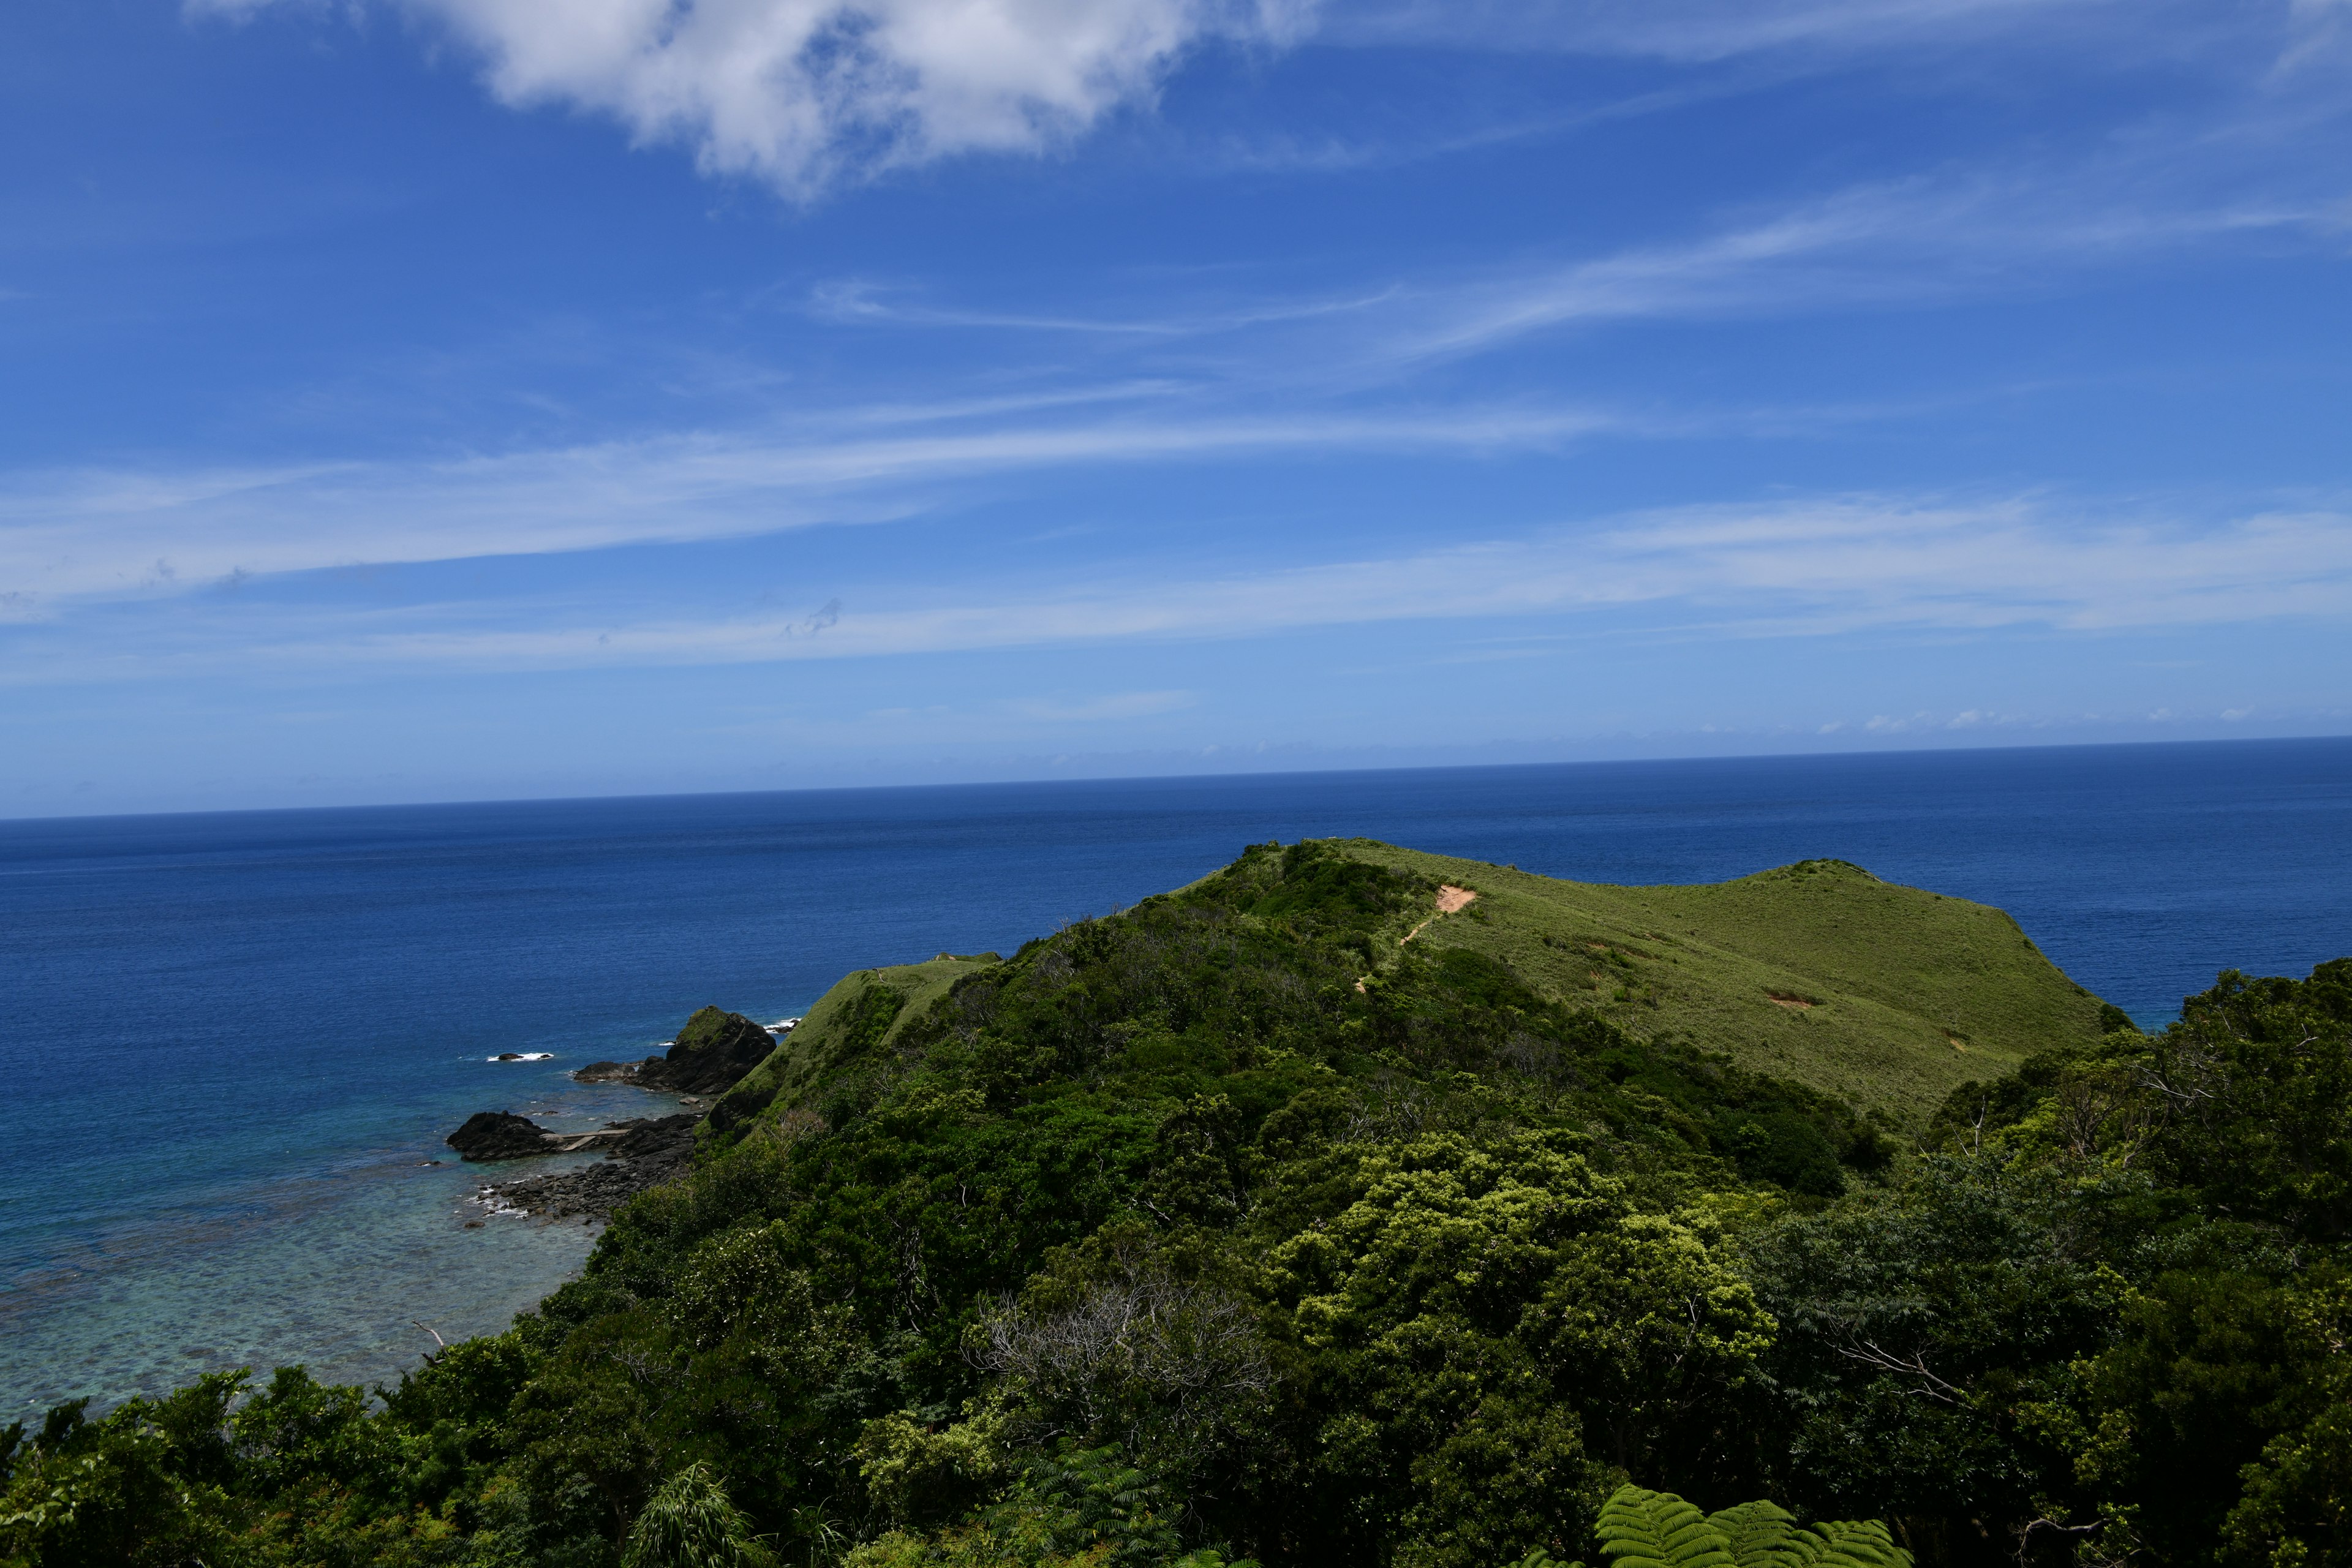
1889,996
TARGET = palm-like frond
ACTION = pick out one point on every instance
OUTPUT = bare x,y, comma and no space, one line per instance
689,1523
1859,1543
1641,1528
1765,1535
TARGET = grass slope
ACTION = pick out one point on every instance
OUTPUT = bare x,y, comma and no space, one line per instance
1887,995
866,1009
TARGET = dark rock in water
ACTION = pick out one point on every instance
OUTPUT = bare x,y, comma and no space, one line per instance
709,1054
647,1152
499,1135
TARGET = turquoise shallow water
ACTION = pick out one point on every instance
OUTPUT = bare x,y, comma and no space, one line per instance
231,1042
351,1266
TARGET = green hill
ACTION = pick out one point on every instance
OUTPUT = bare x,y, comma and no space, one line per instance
1355,1206
1889,996
1886,996
863,1012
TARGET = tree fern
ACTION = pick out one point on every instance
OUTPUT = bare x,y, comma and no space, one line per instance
1858,1544
1765,1535
1642,1528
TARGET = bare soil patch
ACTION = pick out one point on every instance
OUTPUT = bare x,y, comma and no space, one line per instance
1449,899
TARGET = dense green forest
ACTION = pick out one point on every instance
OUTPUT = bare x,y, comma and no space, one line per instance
1235,1225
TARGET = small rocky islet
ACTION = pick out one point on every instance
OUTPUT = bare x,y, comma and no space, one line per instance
711,1054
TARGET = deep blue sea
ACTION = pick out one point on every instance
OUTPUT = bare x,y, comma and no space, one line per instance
233,1041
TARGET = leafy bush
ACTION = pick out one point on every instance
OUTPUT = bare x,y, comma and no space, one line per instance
689,1522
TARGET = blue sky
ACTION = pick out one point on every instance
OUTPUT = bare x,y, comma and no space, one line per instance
419,399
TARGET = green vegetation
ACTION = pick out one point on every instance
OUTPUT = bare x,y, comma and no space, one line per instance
865,1010
1885,995
1642,1528
690,1523
1284,1219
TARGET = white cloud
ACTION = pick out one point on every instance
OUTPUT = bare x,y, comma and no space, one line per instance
2106,33
860,302
799,92
1699,30
78,537
75,537
1811,568
1898,242
2020,225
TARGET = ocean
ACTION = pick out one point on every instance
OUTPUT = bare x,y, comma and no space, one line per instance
234,1041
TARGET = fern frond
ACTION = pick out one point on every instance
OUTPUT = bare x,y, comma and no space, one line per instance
1536,1558
1762,1534
1641,1528
1858,1544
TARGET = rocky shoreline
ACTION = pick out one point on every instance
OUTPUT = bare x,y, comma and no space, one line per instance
638,1154
710,1055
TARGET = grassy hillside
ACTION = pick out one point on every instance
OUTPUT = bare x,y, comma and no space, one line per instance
1889,996
866,1010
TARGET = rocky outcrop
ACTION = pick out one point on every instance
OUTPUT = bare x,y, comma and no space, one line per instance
710,1056
639,1154
500,1135
714,1051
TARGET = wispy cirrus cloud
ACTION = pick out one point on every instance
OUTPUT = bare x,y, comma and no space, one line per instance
1702,31
1821,567
861,302
1285,383
1992,228
88,536
1954,235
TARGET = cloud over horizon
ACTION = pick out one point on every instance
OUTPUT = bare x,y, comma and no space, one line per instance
1819,566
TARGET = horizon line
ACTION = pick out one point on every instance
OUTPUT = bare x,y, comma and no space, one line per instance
1822,755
